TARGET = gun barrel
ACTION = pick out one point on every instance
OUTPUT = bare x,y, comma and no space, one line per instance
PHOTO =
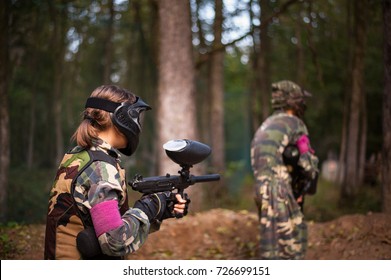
204,178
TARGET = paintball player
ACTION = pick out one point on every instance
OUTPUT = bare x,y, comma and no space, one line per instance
283,232
88,214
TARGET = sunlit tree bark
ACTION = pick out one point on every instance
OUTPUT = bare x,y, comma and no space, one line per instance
176,108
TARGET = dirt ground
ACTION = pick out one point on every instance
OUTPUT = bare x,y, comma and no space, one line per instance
225,234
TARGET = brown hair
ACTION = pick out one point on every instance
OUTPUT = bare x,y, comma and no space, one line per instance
96,120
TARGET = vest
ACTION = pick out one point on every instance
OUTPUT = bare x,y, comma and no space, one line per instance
64,219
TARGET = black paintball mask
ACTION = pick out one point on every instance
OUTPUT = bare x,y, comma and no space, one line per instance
125,116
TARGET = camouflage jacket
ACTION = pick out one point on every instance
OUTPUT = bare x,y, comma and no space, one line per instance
80,185
269,143
283,232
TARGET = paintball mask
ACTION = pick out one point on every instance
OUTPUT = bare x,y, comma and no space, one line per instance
125,116
287,94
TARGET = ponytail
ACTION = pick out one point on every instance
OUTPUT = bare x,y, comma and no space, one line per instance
85,133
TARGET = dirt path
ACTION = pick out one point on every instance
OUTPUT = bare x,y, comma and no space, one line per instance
225,234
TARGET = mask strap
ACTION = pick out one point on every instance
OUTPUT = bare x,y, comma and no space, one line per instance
102,104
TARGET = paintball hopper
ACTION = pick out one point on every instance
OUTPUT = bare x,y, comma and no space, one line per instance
186,152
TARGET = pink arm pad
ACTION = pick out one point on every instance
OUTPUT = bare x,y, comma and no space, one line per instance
105,216
303,144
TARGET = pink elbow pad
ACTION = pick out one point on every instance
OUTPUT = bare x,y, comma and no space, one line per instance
303,144
105,216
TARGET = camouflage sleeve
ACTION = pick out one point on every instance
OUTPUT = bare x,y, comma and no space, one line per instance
307,160
105,185
127,238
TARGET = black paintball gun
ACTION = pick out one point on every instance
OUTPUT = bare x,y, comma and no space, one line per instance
301,183
184,152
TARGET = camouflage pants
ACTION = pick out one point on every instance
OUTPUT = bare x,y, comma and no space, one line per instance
283,231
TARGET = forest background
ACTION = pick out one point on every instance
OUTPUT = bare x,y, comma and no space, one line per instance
206,68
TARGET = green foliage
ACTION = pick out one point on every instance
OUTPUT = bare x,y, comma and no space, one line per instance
237,115
7,247
326,205
28,194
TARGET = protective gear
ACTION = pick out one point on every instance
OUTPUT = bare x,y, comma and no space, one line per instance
64,218
288,95
160,206
302,182
88,244
157,206
125,116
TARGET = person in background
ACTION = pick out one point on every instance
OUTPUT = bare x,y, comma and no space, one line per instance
88,214
281,158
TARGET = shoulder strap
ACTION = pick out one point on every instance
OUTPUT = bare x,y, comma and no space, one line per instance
93,156
102,156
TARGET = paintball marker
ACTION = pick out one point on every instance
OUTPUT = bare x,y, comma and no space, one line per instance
301,183
184,152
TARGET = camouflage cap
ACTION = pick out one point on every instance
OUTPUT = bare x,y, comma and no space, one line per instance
285,91
290,88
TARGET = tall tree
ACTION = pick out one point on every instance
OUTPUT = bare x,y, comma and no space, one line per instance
4,114
216,89
386,160
108,55
58,11
33,79
341,174
176,108
261,50
350,187
142,55
264,73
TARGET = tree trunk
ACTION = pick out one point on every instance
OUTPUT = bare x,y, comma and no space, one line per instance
31,134
4,114
362,141
58,19
216,88
256,118
33,64
300,62
264,63
261,81
353,149
386,153
341,173
202,76
108,60
176,108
